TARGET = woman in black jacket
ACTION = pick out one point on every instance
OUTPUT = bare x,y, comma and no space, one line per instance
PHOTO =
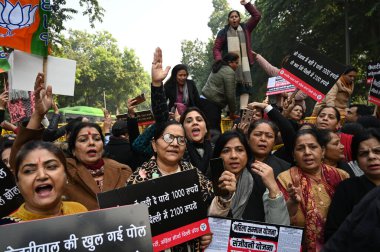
181,92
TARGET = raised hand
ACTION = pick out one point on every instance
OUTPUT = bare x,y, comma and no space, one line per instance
294,191
43,96
158,73
131,107
227,182
254,105
3,99
267,176
107,122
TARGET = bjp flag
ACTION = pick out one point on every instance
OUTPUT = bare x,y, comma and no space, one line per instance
23,25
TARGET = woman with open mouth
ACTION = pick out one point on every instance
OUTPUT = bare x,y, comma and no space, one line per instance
169,144
235,37
198,146
309,186
40,171
262,136
89,173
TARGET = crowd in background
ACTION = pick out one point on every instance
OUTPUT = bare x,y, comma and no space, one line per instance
279,168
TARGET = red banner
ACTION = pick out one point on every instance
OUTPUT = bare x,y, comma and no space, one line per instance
309,90
180,235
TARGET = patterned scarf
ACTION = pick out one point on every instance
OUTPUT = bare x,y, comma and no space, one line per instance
237,44
20,105
315,222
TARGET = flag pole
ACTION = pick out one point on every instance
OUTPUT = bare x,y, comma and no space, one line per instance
44,69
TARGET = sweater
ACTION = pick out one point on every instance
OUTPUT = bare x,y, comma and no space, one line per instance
21,214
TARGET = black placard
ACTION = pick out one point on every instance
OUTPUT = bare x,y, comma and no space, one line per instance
116,229
144,116
174,203
10,197
374,92
373,70
311,71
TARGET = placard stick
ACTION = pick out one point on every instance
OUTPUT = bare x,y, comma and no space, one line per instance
294,94
44,69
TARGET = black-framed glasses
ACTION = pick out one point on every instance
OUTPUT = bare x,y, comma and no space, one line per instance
365,153
169,138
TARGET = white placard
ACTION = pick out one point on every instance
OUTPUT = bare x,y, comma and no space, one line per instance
61,75
25,67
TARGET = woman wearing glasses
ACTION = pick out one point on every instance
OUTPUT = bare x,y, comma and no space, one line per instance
169,144
366,151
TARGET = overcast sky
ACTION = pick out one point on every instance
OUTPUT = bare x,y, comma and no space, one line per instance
143,25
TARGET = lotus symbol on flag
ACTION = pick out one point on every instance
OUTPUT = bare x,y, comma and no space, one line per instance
14,17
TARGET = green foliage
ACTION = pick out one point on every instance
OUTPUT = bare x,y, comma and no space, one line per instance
61,13
102,68
319,24
218,18
197,55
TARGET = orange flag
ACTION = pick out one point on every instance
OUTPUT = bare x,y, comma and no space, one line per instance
23,25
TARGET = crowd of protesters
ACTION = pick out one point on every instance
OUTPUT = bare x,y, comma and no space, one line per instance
279,168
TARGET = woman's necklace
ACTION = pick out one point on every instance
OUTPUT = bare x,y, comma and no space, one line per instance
164,173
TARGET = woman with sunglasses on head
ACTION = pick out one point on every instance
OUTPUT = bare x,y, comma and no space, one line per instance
169,144
366,151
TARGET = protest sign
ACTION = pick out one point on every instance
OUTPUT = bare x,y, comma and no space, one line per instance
60,73
242,235
311,71
116,229
144,116
374,91
373,70
10,197
177,212
277,85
